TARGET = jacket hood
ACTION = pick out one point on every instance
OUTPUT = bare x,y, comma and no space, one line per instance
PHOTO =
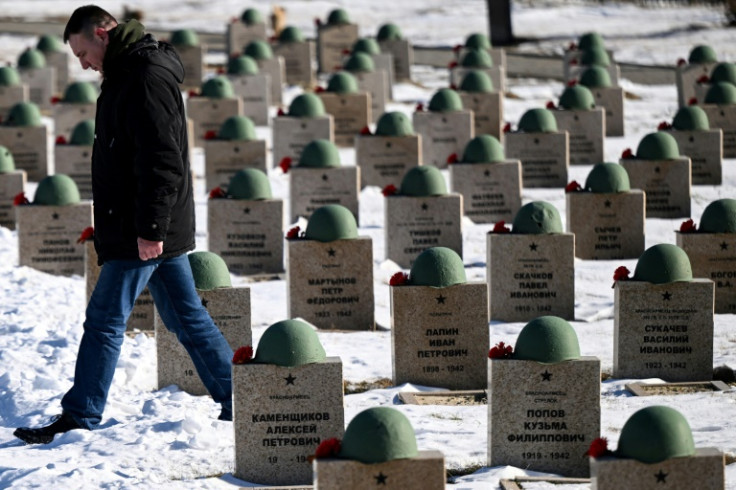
129,44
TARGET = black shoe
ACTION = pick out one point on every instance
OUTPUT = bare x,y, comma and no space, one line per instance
226,414
44,435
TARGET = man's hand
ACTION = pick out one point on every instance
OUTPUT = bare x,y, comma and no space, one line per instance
148,249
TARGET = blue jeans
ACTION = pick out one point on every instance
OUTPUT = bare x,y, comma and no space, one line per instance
172,287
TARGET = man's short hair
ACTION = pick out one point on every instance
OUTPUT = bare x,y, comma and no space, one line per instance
86,19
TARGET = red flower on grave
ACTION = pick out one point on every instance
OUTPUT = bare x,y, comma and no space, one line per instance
507,128
233,20
551,105
210,135
389,190
87,233
452,159
293,233
221,71
688,227
452,64
399,279
243,355
280,112
572,46
329,448
419,107
193,93
573,187
692,101
501,351
285,164
318,22
55,99
20,199
500,227
217,193
620,274
574,62
598,448
703,79
60,140
681,62
319,89
453,86
572,83
457,48
664,126
366,131
346,51
627,153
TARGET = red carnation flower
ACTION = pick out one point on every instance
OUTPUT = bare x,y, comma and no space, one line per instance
453,86
573,46
346,51
280,112
243,355
220,71
598,448
318,22
688,227
452,64
500,351
692,101
452,159
60,140
389,190
507,128
293,233
703,79
551,105
319,89
419,107
329,448
365,131
627,153
572,82
210,135
399,279
664,126
574,62
573,187
217,193
285,164
500,227
55,99
193,93
681,62
20,199
620,274
457,48
87,233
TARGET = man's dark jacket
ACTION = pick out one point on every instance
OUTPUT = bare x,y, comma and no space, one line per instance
141,181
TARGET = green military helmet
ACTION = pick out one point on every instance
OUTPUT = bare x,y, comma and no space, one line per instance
722,93
595,77
702,54
654,434
290,343
658,146
663,263
24,114
438,267
291,34
537,218
50,44
445,100
9,76
319,154
719,217
478,41
577,98
538,121
483,149
83,133
209,271
590,40
595,57
249,184
218,87
7,164
56,190
184,38
377,435
80,93
251,17
360,62
723,72
330,223
691,118
366,45
337,17
608,178
258,50
307,105
423,181
476,58
547,339
242,65
476,81
389,32
394,124
342,82
31,58
237,128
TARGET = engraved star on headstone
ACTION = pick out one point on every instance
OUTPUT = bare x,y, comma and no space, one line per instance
533,247
657,170
324,177
607,203
546,376
290,379
661,476
246,210
424,206
55,216
724,246
487,173
666,296
380,479
441,299
331,252
205,302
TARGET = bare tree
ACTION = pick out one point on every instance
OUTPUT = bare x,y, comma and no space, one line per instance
499,17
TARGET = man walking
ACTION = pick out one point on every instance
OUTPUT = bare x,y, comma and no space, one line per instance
144,216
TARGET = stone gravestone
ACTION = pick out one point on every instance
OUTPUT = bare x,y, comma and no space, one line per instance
57,57
478,60
298,55
330,273
40,78
75,158
48,228
229,308
245,225
379,449
350,108
12,91
480,41
544,151
531,270
543,400
12,183
286,401
445,128
253,88
664,175
703,145
305,122
607,96
239,32
391,41
585,125
721,72
212,107
334,38
421,214
712,250
439,324
477,94
572,57
656,449
78,104
720,106
27,138
663,319
319,179
489,183
372,80
192,53
606,216
384,157
234,149
595,57
701,60
271,65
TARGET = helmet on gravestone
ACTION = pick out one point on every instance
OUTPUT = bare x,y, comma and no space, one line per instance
394,124
423,181
83,133
691,118
483,149
654,434
307,105
330,223
56,190
702,54
218,87
445,100
24,114
477,40
538,121
476,81
50,44
658,146
377,435
7,164
209,271
337,17
360,62
366,45
80,93
547,339
537,218
723,72
722,93
577,98
290,343
9,76
242,65
595,57
291,34
595,77
608,178
258,50
663,263
237,128
184,38
31,58
319,154
389,32
719,217
438,267
249,184
476,58
590,40
251,17
342,82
